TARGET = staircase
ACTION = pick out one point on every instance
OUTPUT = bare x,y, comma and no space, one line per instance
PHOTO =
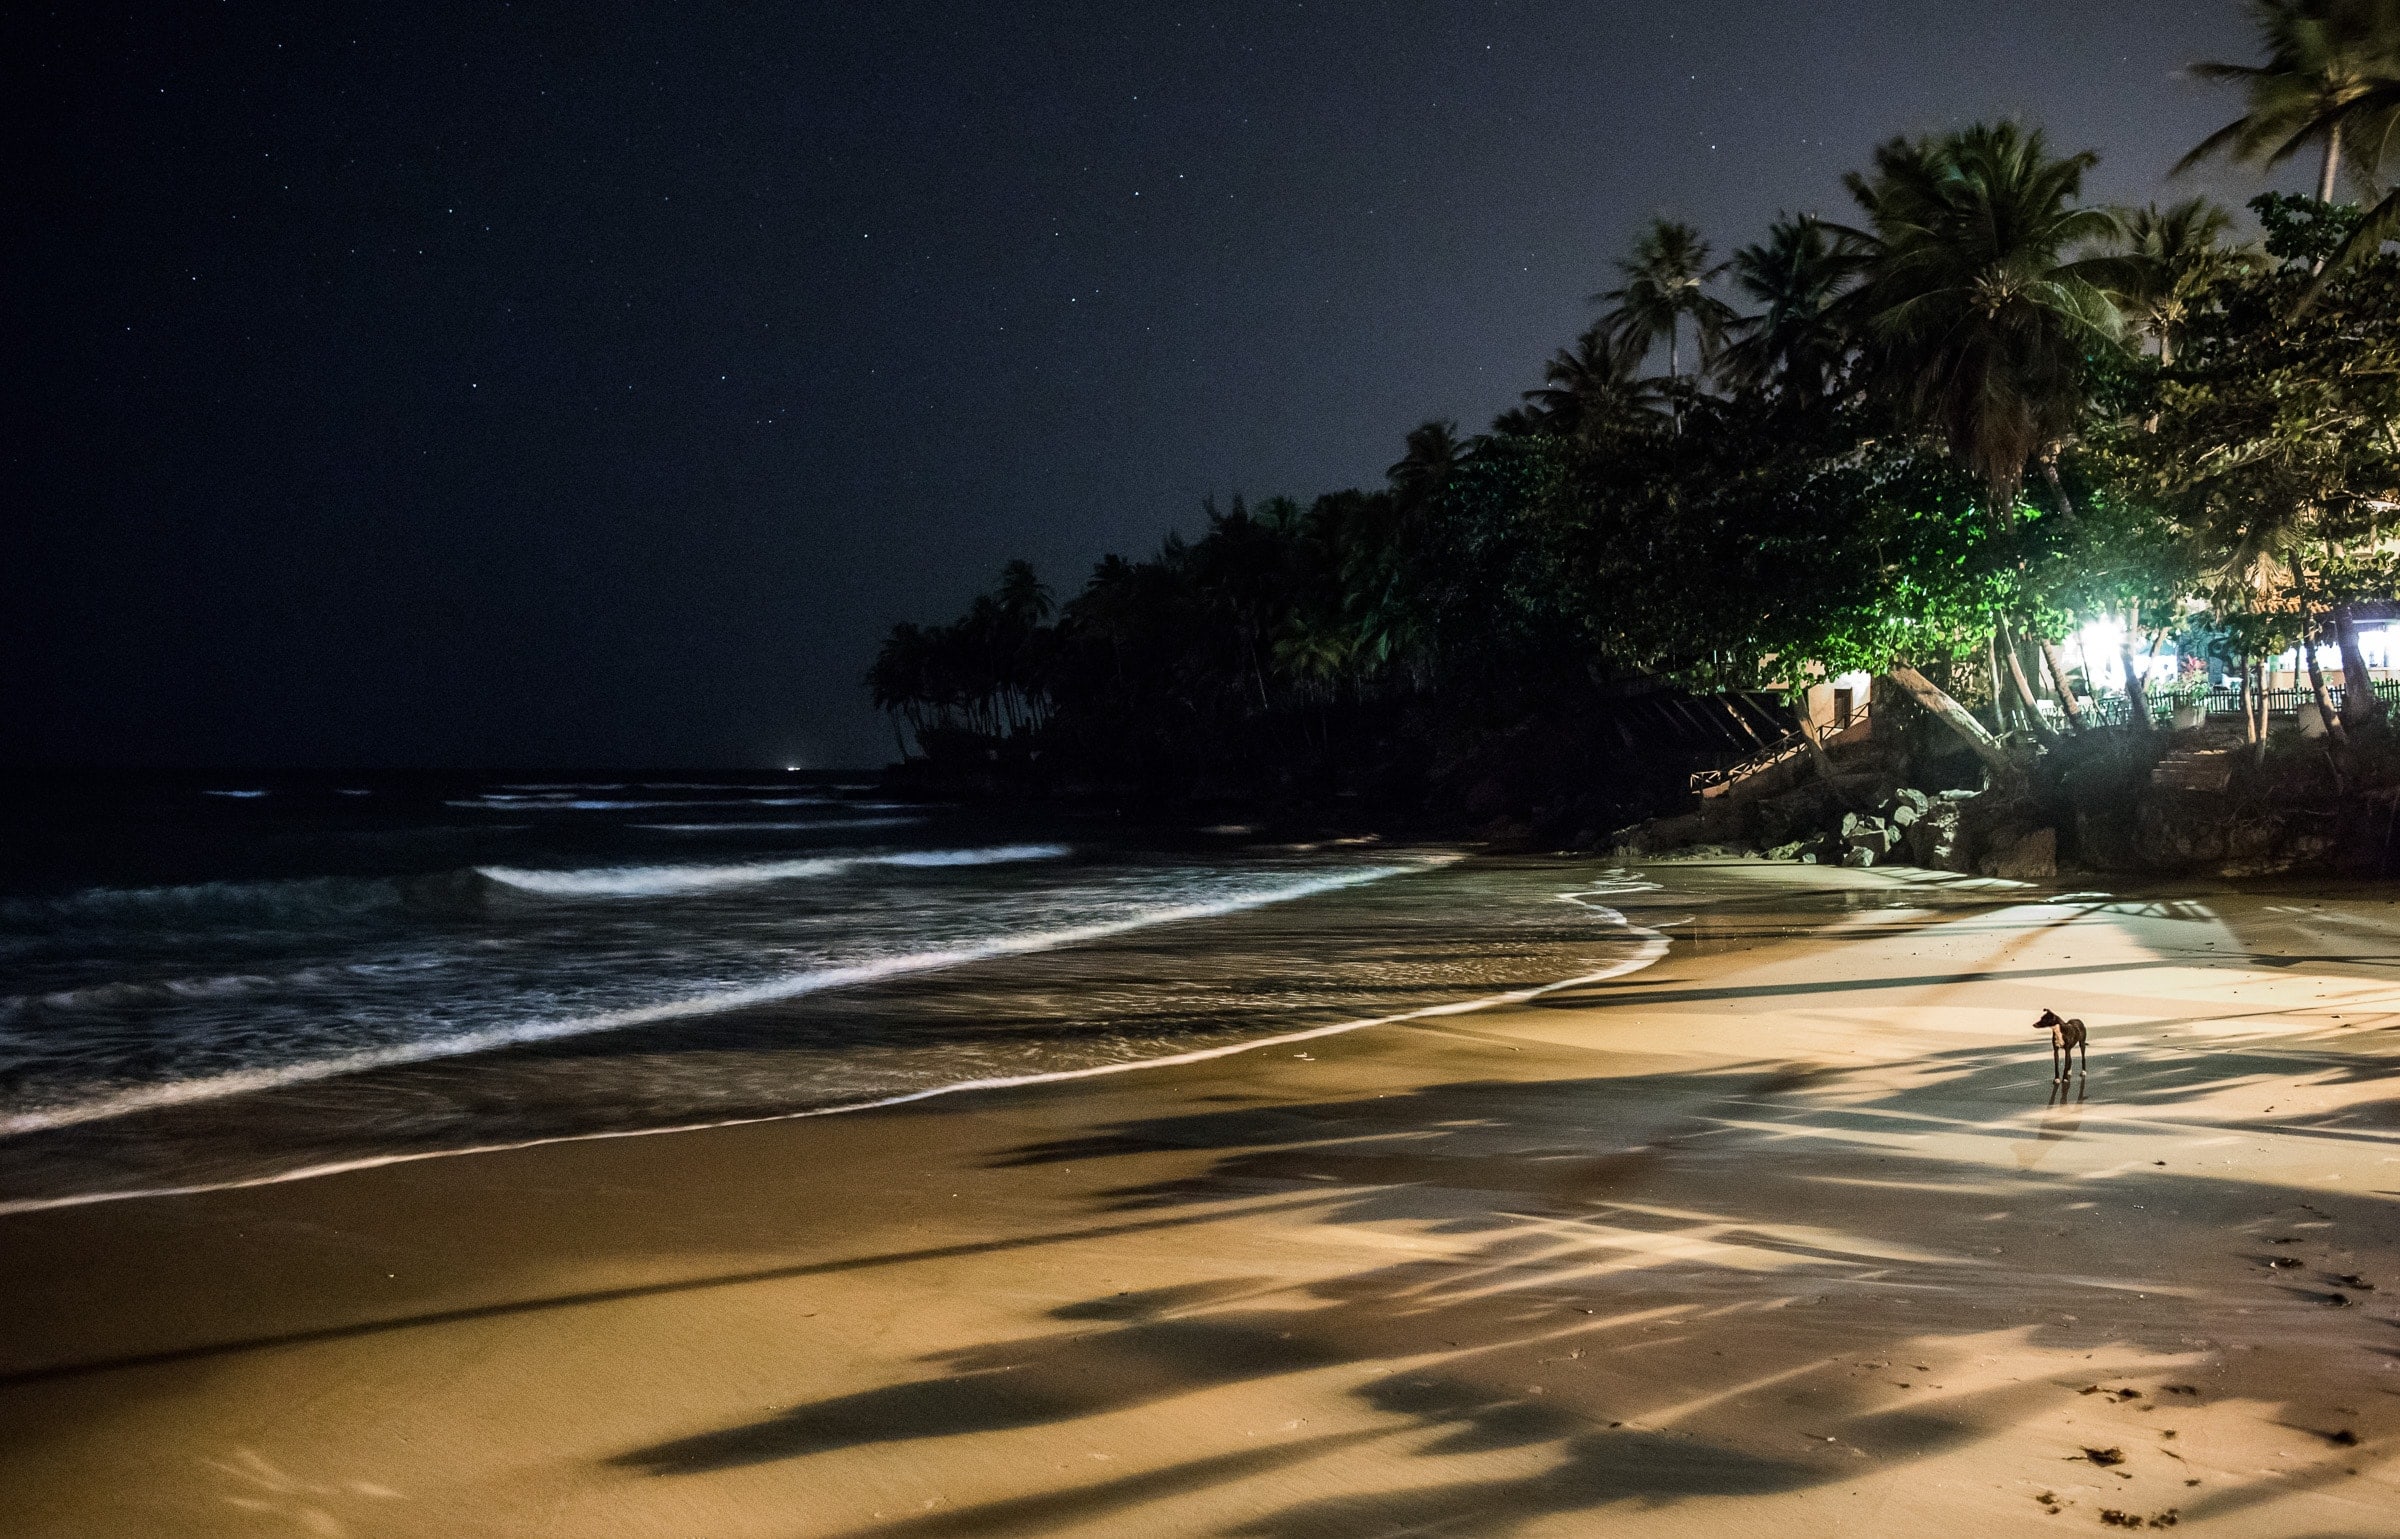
2200,761
1790,746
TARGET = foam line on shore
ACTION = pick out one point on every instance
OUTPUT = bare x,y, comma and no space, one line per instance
1652,947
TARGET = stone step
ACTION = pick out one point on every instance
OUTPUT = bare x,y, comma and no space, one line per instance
2194,769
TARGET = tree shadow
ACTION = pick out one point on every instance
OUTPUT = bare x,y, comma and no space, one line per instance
1653,1300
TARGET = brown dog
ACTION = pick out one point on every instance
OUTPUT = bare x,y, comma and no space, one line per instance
2065,1037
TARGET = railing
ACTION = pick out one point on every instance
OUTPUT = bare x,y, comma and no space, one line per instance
2107,711
2116,710
1715,782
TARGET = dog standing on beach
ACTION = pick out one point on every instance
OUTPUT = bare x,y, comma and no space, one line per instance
2065,1037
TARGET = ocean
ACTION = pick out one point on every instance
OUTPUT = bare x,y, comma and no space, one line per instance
216,981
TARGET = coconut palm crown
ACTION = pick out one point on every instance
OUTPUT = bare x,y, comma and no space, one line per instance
1977,315
2325,61
2177,251
1795,345
1666,280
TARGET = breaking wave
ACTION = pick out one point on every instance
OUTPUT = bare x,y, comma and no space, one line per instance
767,991
661,881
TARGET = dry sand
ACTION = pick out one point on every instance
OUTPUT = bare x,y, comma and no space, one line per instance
1777,1237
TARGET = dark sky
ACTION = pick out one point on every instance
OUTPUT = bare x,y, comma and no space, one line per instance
584,382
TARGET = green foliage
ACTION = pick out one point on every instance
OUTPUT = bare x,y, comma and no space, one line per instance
2302,230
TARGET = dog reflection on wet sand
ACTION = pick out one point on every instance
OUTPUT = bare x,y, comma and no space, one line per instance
2065,1038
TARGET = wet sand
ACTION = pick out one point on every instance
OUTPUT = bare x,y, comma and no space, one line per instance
1786,1234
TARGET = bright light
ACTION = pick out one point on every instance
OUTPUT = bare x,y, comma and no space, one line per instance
2096,648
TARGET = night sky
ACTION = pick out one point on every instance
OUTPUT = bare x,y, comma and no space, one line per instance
589,383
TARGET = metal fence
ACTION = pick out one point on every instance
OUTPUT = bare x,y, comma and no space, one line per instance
2107,711
2117,710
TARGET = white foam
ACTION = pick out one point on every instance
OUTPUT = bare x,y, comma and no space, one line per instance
790,986
530,803
242,795
663,881
795,826
1652,947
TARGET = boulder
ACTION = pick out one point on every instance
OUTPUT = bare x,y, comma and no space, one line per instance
1933,840
2029,857
1903,815
1908,799
1858,856
1875,837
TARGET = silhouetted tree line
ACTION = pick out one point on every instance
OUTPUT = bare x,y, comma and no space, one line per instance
1928,442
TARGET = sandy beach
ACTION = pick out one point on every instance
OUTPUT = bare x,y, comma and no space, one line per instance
1786,1234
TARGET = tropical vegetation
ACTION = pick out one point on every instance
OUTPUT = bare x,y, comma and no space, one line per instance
1931,436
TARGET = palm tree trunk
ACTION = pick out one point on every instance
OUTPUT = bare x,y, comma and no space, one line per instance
1933,697
2325,177
2308,649
2137,699
2360,704
2258,738
2003,718
2025,695
2058,681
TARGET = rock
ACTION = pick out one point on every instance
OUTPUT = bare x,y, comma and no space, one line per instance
1852,822
1904,815
2030,857
1858,856
1933,840
1791,851
1873,836
1911,798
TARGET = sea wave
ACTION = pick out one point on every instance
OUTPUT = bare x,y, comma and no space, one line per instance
768,991
1648,947
531,803
297,899
153,991
792,826
663,881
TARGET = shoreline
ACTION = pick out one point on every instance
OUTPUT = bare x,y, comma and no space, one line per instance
1651,948
1579,1262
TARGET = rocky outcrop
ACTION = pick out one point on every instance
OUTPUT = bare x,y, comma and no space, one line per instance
2029,856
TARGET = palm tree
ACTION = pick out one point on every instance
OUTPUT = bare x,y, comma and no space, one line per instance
1435,451
1796,344
2323,57
1022,596
1974,314
2332,81
1666,280
1597,383
2176,252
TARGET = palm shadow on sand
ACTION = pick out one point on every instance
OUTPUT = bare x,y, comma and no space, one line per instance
1652,1304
